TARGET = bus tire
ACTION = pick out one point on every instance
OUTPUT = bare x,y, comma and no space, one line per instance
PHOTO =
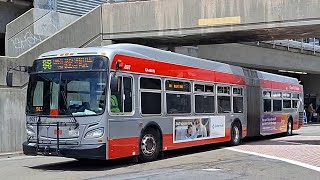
289,127
149,145
235,134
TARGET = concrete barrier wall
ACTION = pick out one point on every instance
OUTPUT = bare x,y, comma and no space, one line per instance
81,32
12,119
85,31
32,28
186,14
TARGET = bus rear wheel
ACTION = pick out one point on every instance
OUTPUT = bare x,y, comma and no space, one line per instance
149,145
289,127
235,134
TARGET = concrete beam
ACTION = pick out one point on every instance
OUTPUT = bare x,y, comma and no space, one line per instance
189,22
262,58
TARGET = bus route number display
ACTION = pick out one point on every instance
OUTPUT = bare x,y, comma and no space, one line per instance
72,63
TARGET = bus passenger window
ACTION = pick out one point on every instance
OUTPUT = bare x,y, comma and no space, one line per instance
237,93
286,104
267,105
294,103
277,105
238,104
150,96
224,104
204,104
224,99
178,103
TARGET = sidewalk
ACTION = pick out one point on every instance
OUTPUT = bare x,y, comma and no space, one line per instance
10,154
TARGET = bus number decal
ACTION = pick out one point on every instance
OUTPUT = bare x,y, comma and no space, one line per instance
127,67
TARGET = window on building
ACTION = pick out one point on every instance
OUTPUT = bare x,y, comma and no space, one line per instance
178,97
150,94
121,94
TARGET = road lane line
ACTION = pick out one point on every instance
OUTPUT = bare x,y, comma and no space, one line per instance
315,168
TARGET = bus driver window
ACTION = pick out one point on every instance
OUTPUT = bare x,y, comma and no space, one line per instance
121,94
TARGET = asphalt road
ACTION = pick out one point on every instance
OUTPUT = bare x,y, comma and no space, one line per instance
206,162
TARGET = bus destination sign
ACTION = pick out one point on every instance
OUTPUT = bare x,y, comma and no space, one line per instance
65,63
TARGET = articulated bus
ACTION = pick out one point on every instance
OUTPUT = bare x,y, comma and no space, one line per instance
128,100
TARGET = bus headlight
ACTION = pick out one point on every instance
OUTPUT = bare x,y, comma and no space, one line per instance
96,133
30,131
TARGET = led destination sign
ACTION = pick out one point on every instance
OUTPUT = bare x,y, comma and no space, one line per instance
70,63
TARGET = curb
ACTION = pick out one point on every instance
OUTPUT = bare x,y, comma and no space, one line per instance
18,153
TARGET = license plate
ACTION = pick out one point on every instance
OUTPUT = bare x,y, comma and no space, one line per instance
73,133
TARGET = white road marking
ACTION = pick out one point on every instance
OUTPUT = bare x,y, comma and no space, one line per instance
315,168
211,169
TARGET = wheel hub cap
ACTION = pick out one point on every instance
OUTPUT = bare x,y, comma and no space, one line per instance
148,145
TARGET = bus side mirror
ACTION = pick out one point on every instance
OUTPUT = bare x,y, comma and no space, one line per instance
28,69
119,65
9,78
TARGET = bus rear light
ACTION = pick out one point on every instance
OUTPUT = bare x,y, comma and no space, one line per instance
96,133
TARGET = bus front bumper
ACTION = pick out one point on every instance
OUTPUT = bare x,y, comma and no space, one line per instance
96,151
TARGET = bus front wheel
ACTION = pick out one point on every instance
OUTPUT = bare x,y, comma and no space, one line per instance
289,127
149,145
235,134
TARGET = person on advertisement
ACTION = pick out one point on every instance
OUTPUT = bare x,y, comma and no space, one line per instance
201,130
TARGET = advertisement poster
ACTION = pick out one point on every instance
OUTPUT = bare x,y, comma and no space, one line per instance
198,128
273,123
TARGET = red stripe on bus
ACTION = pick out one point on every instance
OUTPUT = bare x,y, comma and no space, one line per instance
126,147
267,84
152,67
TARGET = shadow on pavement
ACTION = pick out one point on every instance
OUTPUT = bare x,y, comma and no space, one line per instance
85,165
100,165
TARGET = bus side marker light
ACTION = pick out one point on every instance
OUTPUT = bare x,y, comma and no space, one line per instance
100,141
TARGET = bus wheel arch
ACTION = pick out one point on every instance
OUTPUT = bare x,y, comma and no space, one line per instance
290,126
150,143
236,132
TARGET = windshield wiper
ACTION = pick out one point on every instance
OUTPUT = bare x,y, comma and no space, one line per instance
68,108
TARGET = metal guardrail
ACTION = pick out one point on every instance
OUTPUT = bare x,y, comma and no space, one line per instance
293,46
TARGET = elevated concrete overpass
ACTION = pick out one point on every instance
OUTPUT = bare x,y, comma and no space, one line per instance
189,22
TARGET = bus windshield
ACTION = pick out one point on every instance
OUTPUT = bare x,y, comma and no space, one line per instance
65,93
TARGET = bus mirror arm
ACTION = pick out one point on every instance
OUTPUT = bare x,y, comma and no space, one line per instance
9,76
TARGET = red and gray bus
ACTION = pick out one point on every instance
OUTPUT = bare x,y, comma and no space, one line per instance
128,100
